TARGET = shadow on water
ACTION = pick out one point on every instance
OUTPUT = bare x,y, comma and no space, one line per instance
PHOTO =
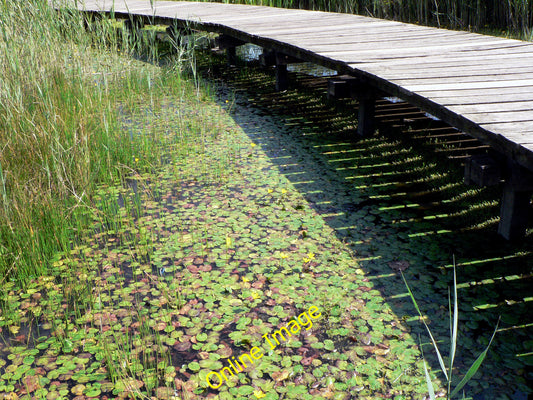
397,199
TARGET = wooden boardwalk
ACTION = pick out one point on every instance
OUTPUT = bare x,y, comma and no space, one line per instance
481,85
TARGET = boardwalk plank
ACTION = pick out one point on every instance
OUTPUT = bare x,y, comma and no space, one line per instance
436,71
487,96
500,117
524,52
468,49
496,106
480,99
471,85
301,28
346,43
472,78
511,130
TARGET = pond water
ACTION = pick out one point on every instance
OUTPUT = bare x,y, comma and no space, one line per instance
251,52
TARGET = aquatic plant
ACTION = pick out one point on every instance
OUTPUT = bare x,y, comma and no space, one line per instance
448,370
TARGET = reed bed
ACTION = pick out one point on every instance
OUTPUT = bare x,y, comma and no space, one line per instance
64,90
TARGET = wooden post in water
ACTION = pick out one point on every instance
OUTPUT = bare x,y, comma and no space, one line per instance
366,95
366,116
350,86
516,202
229,43
232,55
280,61
282,76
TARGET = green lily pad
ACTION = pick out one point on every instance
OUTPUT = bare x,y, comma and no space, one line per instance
93,392
194,366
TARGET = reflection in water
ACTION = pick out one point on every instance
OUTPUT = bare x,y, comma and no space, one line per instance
251,52
311,69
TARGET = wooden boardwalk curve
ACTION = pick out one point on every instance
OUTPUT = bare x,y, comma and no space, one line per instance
481,85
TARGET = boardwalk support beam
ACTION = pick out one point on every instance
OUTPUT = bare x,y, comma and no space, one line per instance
516,202
270,57
350,86
482,170
340,87
229,43
280,61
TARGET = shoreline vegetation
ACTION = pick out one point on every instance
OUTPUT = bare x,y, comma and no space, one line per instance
60,86
146,238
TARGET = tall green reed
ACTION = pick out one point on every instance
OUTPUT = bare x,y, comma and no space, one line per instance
62,89
447,368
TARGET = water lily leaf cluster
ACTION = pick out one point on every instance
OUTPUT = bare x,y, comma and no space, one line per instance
187,267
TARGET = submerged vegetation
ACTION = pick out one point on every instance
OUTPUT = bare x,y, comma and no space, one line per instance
152,232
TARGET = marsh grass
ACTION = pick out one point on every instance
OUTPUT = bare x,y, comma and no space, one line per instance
89,114
65,80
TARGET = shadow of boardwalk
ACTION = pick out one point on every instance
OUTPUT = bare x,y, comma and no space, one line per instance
398,201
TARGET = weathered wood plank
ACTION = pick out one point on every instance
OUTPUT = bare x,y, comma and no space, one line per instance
483,99
521,53
302,28
466,49
509,129
348,43
473,78
363,31
495,107
450,71
486,94
471,85
500,117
